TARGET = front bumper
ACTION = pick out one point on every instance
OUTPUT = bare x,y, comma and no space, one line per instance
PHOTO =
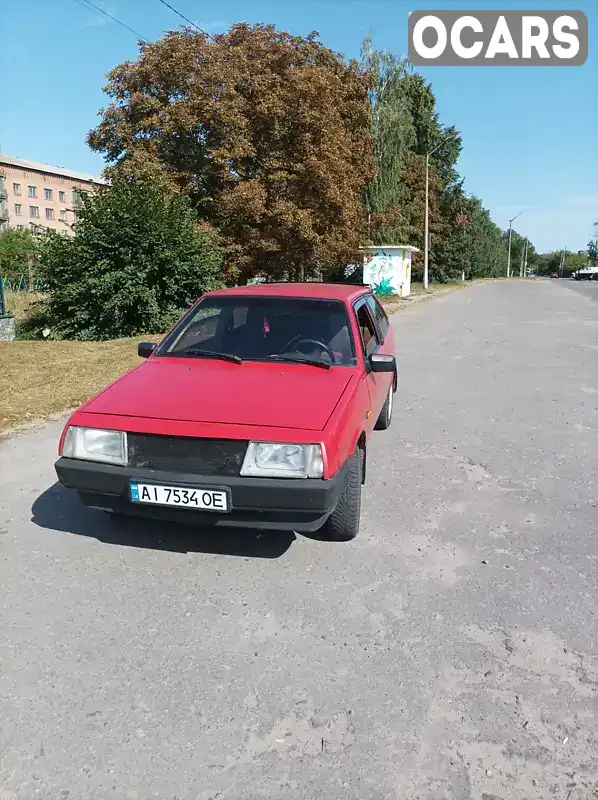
301,505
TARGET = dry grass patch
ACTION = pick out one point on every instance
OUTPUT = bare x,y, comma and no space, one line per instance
40,379
418,294
20,304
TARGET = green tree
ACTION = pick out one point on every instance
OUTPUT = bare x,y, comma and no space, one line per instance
472,244
548,263
393,137
137,259
575,261
406,128
267,133
518,244
16,248
429,132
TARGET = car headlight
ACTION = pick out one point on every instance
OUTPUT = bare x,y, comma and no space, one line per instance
274,460
92,444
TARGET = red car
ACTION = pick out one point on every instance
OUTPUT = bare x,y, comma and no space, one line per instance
254,411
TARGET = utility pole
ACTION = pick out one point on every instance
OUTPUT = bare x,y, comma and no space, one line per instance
510,237
427,209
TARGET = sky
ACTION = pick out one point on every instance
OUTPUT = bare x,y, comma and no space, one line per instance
529,133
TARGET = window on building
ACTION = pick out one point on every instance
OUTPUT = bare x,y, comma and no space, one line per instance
20,227
48,194
34,211
78,195
49,213
63,214
32,191
62,197
18,209
36,230
16,188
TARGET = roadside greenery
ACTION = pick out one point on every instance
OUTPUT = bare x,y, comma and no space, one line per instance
221,172
549,263
16,249
406,128
138,258
266,133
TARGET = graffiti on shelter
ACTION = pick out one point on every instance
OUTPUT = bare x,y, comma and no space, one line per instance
382,271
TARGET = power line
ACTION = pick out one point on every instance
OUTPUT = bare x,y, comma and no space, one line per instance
182,16
114,19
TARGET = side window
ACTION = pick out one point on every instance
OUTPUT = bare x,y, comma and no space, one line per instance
379,315
202,329
367,330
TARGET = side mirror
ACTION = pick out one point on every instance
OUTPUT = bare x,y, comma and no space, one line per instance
145,349
382,363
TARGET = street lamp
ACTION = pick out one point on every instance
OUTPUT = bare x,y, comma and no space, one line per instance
510,235
427,211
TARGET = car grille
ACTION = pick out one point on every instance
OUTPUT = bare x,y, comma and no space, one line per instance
185,454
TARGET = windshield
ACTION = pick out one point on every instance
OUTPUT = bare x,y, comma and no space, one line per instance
255,328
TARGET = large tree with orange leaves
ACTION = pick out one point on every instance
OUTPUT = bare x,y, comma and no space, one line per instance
267,133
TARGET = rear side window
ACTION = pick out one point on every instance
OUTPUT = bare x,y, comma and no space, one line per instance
367,330
379,315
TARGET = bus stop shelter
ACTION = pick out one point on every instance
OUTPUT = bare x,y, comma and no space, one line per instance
387,269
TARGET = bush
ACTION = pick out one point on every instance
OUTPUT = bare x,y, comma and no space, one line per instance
137,260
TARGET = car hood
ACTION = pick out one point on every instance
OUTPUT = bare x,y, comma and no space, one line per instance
207,390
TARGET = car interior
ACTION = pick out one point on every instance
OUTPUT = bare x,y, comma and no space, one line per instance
258,332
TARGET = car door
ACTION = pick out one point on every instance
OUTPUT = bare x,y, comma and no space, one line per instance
377,383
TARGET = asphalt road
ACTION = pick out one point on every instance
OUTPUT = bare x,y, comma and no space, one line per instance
447,653
588,289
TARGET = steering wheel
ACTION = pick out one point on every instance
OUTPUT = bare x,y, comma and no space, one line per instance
297,340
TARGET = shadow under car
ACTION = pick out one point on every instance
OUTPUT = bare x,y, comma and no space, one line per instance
60,509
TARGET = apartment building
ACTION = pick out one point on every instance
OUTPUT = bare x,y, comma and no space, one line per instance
38,196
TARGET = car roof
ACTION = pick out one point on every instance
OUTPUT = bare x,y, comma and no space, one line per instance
311,290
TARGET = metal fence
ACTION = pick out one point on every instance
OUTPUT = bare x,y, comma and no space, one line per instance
21,282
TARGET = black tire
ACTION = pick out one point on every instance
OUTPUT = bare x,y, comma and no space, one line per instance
385,418
343,524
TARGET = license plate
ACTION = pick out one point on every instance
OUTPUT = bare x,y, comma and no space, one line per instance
180,496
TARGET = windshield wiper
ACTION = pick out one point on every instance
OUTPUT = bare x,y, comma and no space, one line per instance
311,362
196,351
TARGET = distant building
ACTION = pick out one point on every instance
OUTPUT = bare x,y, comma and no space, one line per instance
38,196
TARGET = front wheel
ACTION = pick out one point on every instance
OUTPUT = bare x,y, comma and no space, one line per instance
385,418
343,524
